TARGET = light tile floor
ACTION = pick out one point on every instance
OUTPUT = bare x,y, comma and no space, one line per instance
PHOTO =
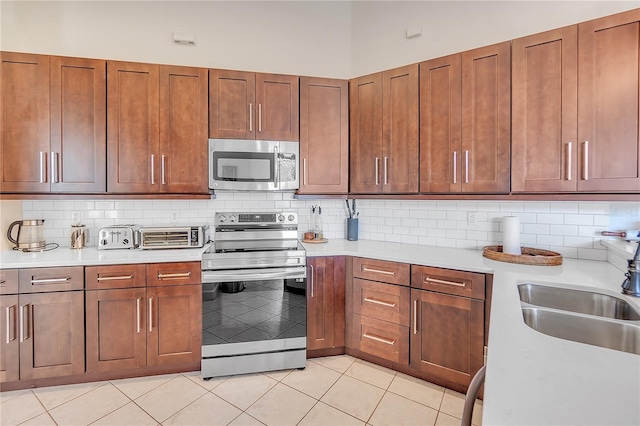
337,390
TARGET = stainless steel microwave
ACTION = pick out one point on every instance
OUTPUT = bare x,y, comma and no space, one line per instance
253,165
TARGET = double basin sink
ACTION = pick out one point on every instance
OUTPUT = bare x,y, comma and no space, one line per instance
584,316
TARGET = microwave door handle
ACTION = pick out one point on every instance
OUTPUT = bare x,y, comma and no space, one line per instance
276,165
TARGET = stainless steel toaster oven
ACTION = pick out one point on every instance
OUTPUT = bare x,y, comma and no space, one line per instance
172,237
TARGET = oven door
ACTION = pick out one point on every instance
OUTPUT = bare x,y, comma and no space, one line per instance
253,320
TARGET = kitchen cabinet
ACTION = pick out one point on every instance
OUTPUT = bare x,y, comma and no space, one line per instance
575,108
143,316
245,105
447,331
324,136
156,121
465,121
378,309
53,125
43,331
325,303
384,132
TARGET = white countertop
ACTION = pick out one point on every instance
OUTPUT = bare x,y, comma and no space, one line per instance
532,378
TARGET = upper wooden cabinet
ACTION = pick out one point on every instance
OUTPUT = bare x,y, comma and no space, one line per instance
465,121
324,136
575,107
245,105
156,117
384,132
53,131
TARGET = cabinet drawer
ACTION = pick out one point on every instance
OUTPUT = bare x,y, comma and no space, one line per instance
42,280
386,302
160,274
115,276
381,270
8,281
460,283
381,338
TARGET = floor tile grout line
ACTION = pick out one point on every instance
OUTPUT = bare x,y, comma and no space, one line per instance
111,412
72,399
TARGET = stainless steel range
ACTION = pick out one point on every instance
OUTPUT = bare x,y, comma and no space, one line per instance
254,295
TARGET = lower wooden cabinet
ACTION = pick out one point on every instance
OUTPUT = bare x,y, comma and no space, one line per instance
325,303
382,339
9,342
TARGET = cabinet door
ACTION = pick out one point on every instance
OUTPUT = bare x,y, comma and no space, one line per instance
116,324
447,336
183,129
232,104
440,125
51,334
608,94
132,127
486,118
278,107
365,95
78,125
545,111
325,302
400,130
9,349
24,124
174,328
324,136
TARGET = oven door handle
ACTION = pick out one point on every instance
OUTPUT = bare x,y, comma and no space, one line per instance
253,274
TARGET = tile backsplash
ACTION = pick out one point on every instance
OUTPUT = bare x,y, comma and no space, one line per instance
570,228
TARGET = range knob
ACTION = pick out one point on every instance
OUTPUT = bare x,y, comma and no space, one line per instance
233,218
281,218
291,217
222,218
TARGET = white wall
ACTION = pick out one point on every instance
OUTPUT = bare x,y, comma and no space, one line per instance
304,38
379,28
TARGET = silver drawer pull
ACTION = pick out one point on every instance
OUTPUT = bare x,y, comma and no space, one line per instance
379,339
377,271
150,314
174,276
23,308
9,327
116,278
138,315
415,316
380,302
51,280
436,281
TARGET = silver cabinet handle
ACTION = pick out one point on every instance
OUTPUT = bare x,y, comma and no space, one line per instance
153,174
379,339
138,321
385,170
569,146
437,281
10,328
455,166
250,117
378,271
22,322
43,167
54,167
51,280
174,276
466,166
585,161
415,316
276,166
150,314
312,292
379,302
162,157
304,171
117,278
377,180
260,118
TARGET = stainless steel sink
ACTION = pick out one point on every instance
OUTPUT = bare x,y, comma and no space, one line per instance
584,302
612,334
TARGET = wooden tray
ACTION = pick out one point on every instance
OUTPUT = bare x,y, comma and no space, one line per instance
320,241
529,256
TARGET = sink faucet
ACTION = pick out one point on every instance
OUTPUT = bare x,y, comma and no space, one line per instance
631,285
